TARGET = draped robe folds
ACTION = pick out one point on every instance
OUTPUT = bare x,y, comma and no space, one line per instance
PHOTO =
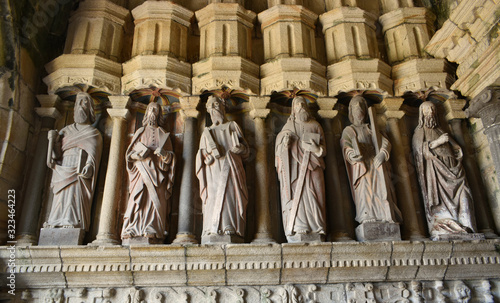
371,188
150,187
447,197
73,194
310,215
223,188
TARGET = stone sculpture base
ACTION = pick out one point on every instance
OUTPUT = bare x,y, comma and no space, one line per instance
140,241
378,231
221,239
302,238
61,236
450,237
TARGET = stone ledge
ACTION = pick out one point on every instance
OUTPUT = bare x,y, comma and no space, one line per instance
254,264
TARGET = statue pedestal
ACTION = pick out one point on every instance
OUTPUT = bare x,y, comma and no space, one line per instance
378,231
450,237
140,241
61,236
221,239
301,238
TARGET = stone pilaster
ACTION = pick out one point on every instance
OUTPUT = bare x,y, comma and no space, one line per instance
406,31
32,204
107,233
403,172
225,49
259,114
93,48
290,51
185,230
159,48
456,117
487,107
352,51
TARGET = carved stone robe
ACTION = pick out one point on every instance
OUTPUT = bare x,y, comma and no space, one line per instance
223,187
447,197
150,187
73,194
310,214
371,187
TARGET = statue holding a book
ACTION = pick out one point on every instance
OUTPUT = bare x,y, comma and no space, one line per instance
300,149
220,171
73,155
151,166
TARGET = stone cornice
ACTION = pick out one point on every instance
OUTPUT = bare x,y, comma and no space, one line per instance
225,12
288,13
101,9
415,15
162,10
270,264
347,15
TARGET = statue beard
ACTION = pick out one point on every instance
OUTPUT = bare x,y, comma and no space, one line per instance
151,120
80,116
430,122
303,115
216,116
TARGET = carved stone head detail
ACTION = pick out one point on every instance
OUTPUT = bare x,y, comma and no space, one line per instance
84,109
358,110
300,111
216,109
427,115
153,115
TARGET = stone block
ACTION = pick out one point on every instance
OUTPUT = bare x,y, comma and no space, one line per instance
435,260
474,260
253,264
406,259
205,265
45,268
6,91
107,266
13,165
221,239
420,74
305,263
359,74
71,69
378,232
362,261
460,236
153,70
157,265
61,236
305,238
290,73
232,71
138,241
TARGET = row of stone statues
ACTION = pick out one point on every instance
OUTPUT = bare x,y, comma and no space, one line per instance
74,155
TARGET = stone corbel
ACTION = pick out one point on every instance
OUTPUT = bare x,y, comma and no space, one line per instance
50,106
258,107
188,107
392,107
486,106
119,107
326,105
453,109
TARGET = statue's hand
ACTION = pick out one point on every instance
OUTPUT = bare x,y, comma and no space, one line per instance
239,149
286,140
160,152
87,171
379,159
311,146
209,159
356,157
444,138
52,134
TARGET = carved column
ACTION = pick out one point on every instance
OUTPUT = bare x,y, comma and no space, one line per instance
28,225
111,196
259,114
413,226
487,107
185,230
337,221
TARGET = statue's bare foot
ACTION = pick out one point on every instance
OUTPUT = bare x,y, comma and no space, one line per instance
302,231
370,221
229,231
68,226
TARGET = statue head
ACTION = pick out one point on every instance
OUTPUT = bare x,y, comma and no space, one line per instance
153,115
300,111
358,110
216,109
84,109
427,115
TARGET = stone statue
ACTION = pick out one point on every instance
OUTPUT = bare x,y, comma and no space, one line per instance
219,168
151,168
438,158
371,188
74,155
300,148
